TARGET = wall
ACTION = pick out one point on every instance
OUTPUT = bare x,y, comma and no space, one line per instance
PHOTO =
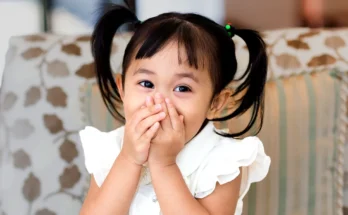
263,14
25,19
17,18
213,9
63,22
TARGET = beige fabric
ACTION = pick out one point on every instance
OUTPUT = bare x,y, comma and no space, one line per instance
296,115
41,165
299,112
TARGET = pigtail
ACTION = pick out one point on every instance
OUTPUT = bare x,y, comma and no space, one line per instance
101,42
252,81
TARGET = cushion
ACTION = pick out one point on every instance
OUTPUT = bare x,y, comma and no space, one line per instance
300,133
94,111
301,52
41,165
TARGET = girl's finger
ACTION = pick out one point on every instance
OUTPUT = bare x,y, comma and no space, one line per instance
173,114
145,124
151,132
144,113
182,118
160,100
149,101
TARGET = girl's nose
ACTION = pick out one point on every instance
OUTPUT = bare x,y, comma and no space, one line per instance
162,93
159,98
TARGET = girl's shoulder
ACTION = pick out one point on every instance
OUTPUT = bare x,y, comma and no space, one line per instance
100,149
212,159
230,156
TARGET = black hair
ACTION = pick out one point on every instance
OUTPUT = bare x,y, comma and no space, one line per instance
197,35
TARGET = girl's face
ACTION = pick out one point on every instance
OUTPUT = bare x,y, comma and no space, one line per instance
189,90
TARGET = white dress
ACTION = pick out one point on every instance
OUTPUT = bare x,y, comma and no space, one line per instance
206,160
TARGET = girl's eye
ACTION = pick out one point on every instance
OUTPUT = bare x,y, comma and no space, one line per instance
146,84
182,89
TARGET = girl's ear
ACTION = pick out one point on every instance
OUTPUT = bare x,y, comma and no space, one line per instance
220,102
119,85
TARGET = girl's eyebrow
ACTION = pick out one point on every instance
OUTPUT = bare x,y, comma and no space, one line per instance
179,75
188,75
144,71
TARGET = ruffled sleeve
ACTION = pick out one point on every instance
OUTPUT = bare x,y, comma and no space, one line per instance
100,150
223,165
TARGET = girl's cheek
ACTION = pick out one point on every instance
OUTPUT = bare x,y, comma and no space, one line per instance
132,104
184,95
143,90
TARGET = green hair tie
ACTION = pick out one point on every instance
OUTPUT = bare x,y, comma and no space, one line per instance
231,31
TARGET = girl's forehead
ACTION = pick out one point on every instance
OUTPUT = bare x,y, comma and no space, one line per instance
175,54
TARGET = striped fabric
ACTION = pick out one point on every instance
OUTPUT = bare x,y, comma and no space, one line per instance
94,110
299,134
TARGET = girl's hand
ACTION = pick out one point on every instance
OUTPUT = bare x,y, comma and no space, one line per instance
139,131
170,138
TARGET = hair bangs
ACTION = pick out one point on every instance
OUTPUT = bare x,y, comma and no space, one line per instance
192,45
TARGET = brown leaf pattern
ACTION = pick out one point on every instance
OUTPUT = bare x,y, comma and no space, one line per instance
53,123
86,71
9,100
34,38
321,60
31,188
335,42
21,159
85,38
32,53
311,33
71,49
70,177
32,96
45,211
287,61
22,128
56,96
57,69
298,44
68,151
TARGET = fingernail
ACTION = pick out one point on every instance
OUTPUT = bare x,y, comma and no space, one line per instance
158,106
167,100
158,95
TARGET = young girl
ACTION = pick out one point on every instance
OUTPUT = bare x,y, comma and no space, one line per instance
176,72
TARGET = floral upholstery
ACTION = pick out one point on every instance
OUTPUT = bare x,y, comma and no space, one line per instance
45,81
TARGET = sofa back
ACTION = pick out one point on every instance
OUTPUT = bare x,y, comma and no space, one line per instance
49,93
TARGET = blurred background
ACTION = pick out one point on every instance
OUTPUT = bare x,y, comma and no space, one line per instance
49,93
19,17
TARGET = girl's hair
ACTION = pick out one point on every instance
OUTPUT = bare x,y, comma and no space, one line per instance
207,44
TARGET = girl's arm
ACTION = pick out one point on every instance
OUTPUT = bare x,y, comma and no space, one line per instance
175,198
118,189
116,193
